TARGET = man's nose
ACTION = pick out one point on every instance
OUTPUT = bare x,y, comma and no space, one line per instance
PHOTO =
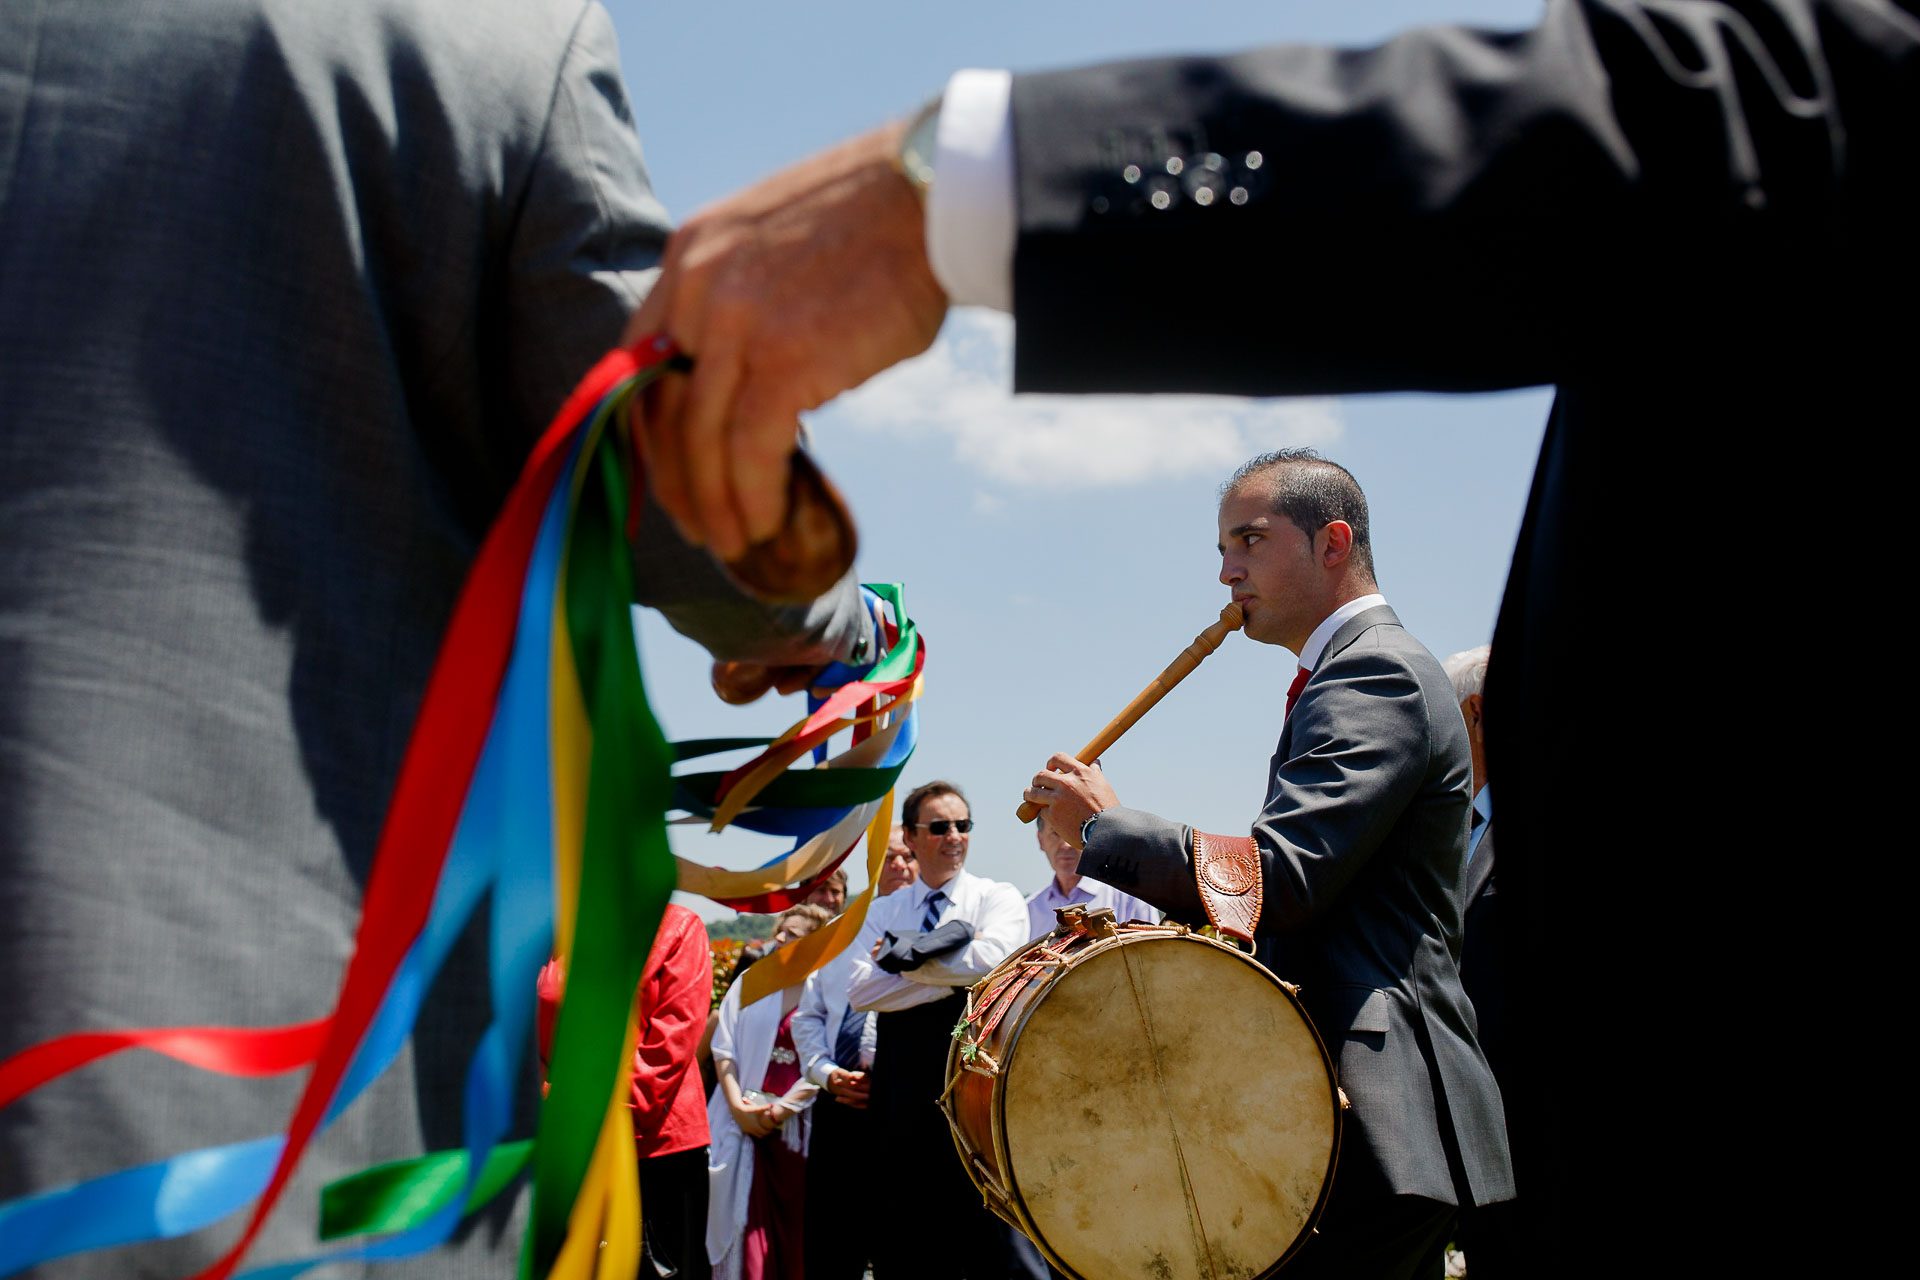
1230,573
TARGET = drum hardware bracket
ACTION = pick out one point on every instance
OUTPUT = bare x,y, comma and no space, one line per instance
1100,922
972,1064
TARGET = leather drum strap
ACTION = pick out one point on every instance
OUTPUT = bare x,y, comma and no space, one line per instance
1228,871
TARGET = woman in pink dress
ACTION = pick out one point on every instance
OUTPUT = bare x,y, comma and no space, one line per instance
759,1116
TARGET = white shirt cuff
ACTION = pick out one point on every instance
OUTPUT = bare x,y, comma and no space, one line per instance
971,211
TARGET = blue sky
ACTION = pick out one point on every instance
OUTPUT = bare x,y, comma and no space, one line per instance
1058,551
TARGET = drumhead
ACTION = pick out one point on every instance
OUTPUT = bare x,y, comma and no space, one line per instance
1167,1112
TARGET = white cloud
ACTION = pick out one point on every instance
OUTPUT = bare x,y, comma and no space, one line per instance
962,388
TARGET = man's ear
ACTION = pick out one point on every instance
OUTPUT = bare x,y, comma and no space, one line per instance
1472,708
1339,543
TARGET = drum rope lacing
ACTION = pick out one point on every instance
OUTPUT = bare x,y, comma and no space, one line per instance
1050,955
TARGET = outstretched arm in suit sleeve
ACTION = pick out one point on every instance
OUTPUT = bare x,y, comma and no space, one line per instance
1359,745
1453,209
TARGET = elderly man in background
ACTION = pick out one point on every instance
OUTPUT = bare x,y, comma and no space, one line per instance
901,868
1480,966
1488,1234
1068,887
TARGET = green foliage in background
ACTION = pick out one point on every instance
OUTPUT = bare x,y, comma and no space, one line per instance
742,928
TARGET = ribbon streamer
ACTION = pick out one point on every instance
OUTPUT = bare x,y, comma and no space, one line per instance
538,780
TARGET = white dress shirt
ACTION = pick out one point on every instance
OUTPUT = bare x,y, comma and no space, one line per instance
1042,905
1317,642
972,220
994,908
816,1023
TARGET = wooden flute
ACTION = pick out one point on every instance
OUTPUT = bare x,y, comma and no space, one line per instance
1177,670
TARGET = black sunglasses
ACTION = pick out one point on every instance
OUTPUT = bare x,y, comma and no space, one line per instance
939,826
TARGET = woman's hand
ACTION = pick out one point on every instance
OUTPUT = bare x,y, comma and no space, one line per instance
755,1121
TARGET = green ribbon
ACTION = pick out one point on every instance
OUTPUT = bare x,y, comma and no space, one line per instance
627,871
403,1194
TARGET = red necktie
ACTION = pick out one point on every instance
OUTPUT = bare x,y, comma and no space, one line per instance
1293,690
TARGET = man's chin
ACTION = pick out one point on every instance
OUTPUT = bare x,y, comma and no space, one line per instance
1255,629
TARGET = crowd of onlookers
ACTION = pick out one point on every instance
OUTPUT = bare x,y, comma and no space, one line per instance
759,1127
755,1125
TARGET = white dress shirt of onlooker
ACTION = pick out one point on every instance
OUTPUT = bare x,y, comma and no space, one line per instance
823,1001
995,910
1067,887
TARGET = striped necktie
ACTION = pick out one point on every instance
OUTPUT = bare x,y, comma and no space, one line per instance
846,1045
935,902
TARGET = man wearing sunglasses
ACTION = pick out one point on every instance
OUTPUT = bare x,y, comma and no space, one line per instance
922,947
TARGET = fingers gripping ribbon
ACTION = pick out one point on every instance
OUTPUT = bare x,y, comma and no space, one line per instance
536,771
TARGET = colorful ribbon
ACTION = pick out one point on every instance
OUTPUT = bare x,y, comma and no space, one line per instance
538,780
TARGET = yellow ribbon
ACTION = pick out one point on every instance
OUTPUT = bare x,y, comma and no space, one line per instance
792,963
572,747
608,1206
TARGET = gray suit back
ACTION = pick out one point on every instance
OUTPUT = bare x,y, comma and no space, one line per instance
286,291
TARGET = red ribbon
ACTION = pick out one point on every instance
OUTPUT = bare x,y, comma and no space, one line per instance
432,786
232,1051
781,899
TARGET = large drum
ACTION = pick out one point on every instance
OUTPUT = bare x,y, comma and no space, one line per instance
1143,1101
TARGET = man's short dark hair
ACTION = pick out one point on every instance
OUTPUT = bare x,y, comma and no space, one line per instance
910,807
1312,493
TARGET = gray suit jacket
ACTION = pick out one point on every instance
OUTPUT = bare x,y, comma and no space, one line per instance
286,291
1361,841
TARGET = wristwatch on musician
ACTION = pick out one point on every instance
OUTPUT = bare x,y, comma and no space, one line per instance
914,159
1086,829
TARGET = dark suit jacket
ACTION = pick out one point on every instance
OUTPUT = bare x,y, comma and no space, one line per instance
1482,966
1694,219
286,292
1361,839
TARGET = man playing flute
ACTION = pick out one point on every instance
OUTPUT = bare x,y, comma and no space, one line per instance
1351,876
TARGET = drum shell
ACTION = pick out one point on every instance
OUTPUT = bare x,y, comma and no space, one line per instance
976,1098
